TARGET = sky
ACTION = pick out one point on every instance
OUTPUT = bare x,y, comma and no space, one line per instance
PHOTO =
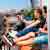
10,4
19,4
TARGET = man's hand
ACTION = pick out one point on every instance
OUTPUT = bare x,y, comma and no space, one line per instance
12,33
43,30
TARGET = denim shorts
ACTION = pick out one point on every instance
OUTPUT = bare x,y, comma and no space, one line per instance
43,39
24,32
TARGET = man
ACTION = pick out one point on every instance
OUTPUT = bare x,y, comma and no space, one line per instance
30,37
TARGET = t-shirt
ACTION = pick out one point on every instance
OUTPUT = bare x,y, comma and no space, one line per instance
20,26
42,22
34,28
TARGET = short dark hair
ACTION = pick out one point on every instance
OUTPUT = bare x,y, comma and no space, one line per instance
18,13
7,15
45,9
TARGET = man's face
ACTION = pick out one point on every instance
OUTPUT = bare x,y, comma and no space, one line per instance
17,17
36,14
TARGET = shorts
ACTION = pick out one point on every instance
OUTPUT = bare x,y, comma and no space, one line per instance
22,33
41,39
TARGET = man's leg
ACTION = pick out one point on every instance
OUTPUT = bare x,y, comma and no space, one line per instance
31,34
27,36
26,42
36,40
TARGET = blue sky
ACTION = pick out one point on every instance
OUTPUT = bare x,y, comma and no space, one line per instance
14,4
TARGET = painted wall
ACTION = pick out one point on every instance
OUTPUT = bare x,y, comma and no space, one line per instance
37,3
44,2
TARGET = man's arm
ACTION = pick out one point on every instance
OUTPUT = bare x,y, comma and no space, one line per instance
27,22
43,30
33,24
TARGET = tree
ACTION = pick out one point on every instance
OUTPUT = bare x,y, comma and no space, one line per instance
29,12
